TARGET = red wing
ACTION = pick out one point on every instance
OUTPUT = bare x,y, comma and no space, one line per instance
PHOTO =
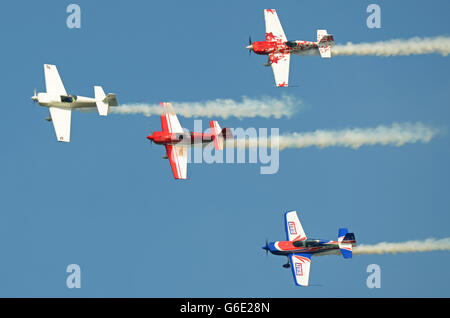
178,160
164,123
169,120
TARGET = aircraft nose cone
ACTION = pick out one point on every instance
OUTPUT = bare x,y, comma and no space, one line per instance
265,247
34,98
250,47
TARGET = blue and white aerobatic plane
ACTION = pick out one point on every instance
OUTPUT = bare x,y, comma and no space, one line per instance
299,249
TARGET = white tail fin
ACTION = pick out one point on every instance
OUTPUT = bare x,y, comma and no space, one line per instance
100,96
324,41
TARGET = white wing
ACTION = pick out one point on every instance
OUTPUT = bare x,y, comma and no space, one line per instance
61,118
274,30
53,81
280,68
300,265
294,229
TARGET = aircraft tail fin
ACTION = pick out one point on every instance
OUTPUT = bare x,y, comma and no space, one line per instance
219,135
100,97
111,99
346,242
325,42
226,133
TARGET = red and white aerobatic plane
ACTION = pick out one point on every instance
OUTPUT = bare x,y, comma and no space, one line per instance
177,140
279,49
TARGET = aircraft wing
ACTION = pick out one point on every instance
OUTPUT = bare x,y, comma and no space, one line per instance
300,265
294,229
280,68
169,120
274,30
53,81
61,118
177,155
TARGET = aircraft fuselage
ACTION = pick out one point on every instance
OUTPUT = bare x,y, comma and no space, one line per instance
307,246
193,138
66,101
291,47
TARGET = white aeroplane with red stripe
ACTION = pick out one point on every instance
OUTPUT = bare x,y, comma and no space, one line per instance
279,49
299,249
61,104
177,140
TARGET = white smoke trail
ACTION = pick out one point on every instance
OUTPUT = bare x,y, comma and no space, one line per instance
265,107
396,47
427,245
398,134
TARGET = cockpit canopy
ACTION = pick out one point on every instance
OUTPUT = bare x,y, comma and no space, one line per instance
307,243
68,98
291,43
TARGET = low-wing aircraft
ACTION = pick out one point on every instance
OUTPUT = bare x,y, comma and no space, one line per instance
177,140
279,49
61,104
299,249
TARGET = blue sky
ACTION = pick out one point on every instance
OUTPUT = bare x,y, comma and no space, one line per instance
107,201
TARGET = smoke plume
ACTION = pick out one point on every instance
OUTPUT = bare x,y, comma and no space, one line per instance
427,245
265,107
396,47
398,134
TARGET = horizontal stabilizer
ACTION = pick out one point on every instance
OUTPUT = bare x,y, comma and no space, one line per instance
216,133
344,244
325,42
341,233
100,96
346,249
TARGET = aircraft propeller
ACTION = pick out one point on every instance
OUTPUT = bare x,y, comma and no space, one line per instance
151,133
250,46
266,247
34,97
